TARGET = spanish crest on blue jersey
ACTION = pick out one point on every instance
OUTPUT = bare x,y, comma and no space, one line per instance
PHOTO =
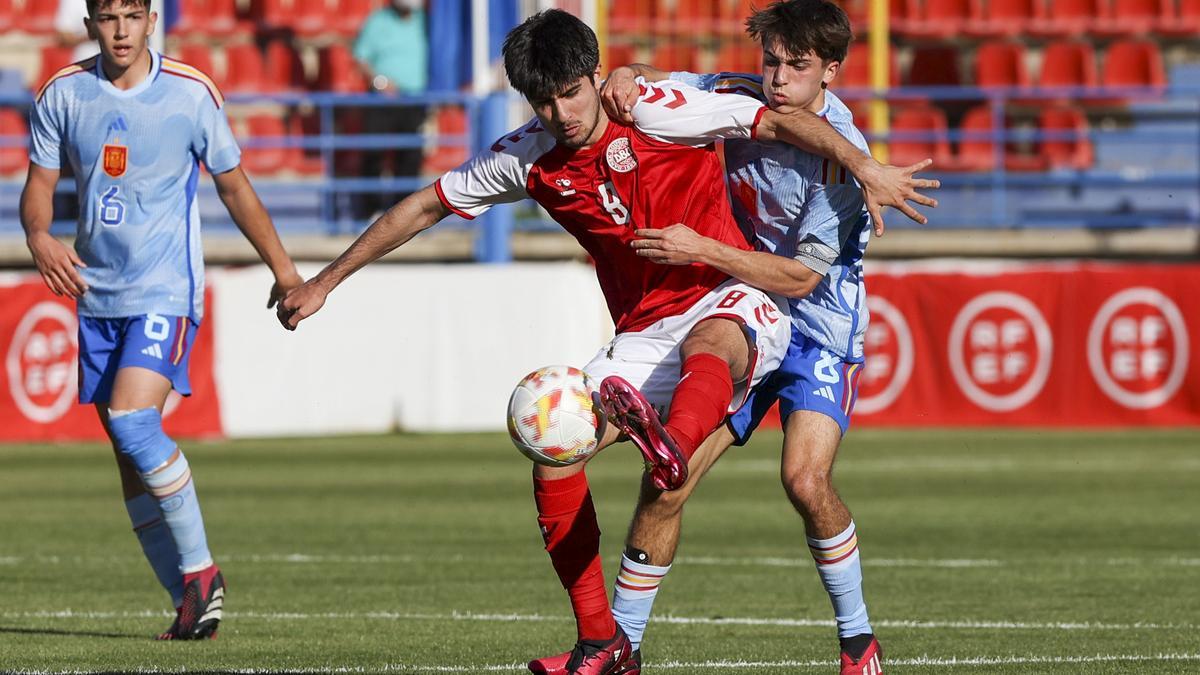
805,207
136,155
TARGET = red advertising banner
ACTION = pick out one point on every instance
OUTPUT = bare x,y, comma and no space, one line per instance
39,395
1079,344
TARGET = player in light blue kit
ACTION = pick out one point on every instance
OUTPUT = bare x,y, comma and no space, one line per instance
135,128
812,230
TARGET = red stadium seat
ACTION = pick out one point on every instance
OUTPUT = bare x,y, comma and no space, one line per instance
1184,22
1003,17
859,12
200,58
930,123
901,15
934,66
14,159
338,71
350,15
1133,17
1074,152
691,17
618,55
1070,17
977,151
272,13
856,71
264,160
631,17
739,56
310,17
306,162
733,14
6,15
283,68
54,59
674,55
1133,63
244,71
442,157
940,19
1068,64
1001,65
36,17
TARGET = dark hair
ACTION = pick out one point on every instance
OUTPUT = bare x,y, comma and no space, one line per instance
548,53
801,26
95,5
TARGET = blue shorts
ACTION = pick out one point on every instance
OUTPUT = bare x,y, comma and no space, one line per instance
151,341
810,378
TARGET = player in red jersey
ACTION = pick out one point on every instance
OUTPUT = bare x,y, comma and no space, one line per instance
689,336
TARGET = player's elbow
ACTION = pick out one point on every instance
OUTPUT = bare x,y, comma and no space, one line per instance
800,283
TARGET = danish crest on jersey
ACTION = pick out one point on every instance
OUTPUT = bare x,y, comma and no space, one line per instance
620,156
116,160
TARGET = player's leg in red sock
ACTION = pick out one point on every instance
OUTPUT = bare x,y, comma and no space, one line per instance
714,353
568,522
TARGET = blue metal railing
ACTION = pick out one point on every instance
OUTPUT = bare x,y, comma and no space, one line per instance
1121,190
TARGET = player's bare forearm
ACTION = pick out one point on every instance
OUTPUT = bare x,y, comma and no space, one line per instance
252,219
680,245
37,200
57,263
414,214
770,272
812,134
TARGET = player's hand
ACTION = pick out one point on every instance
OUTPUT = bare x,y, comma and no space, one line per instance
620,93
895,186
301,303
674,245
57,263
284,283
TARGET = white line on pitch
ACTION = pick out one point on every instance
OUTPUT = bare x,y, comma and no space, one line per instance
666,618
694,666
716,561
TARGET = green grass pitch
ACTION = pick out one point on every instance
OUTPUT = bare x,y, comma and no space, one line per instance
983,552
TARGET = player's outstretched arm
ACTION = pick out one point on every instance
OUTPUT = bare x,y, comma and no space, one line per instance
253,220
415,213
56,261
883,185
681,245
620,90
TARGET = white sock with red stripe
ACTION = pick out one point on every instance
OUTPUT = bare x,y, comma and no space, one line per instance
841,574
633,596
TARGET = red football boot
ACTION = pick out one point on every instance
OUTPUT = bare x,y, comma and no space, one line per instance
625,407
200,614
592,657
869,663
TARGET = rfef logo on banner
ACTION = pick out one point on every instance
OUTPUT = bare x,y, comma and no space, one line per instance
889,357
41,362
1137,348
1000,351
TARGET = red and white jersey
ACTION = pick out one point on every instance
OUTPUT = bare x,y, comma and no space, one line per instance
661,171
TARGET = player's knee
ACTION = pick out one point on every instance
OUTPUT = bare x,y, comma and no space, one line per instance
138,435
806,487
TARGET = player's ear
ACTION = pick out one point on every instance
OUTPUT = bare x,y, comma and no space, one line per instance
91,29
152,23
831,71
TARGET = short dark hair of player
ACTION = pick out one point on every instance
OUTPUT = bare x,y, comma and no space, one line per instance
94,6
801,26
548,53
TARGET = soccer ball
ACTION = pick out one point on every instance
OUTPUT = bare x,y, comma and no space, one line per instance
550,416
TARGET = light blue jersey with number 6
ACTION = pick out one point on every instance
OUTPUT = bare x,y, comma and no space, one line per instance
136,155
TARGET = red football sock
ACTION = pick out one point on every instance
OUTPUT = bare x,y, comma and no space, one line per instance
701,401
568,521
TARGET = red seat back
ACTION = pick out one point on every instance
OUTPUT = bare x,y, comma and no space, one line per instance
244,71
1133,63
338,71
1001,64
1074,152
264,160
934,66
1068,64
283,68
928,127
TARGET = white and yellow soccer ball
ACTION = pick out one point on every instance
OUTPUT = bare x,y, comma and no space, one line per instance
550,416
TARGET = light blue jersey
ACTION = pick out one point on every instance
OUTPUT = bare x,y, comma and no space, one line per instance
136,155
806,207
